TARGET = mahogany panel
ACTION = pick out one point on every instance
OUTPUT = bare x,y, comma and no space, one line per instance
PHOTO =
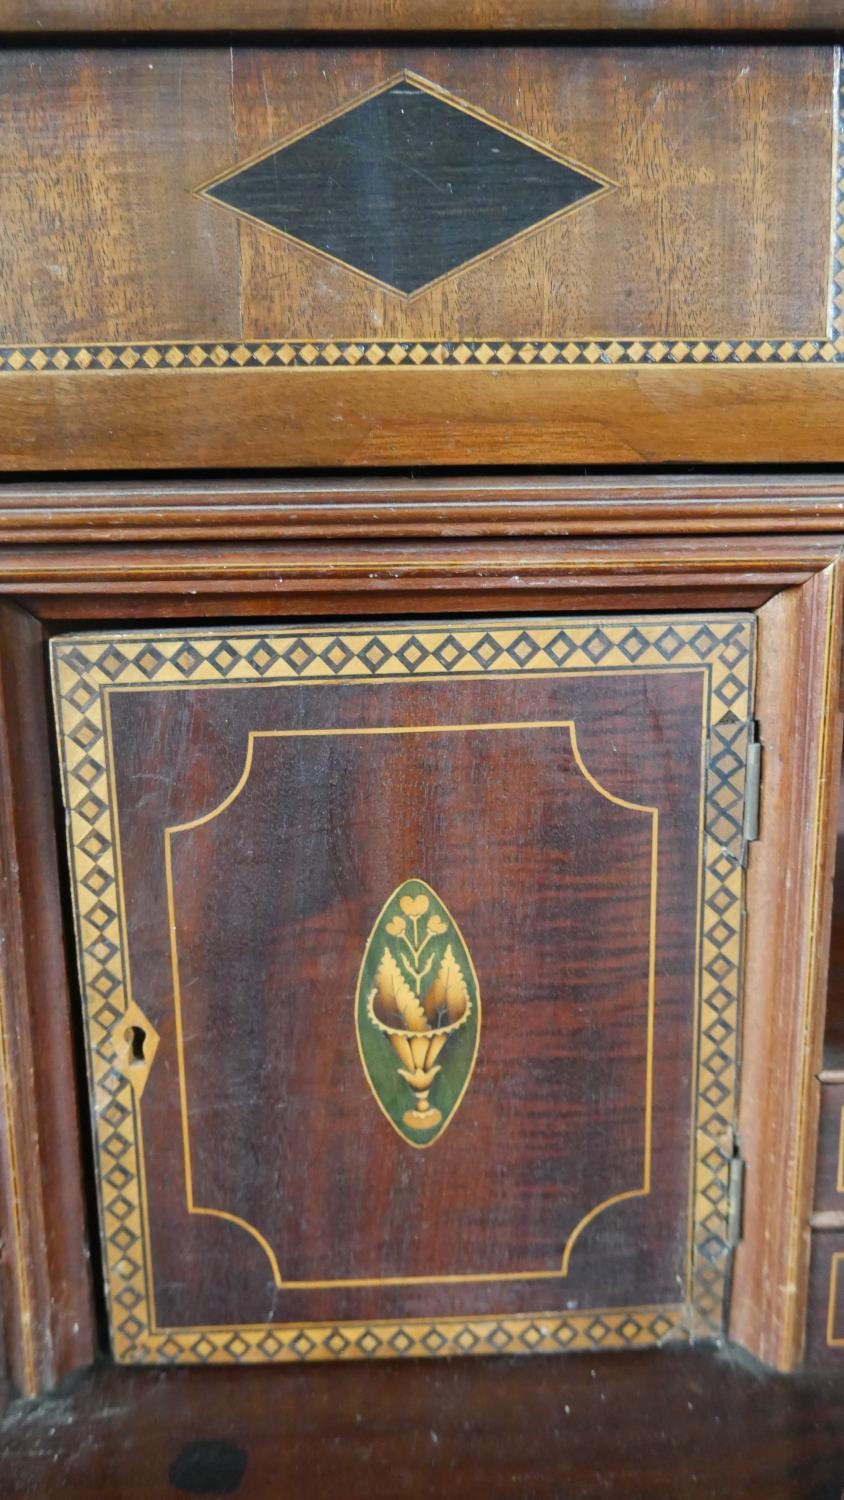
572,1182
825,1306
829,1174
697,232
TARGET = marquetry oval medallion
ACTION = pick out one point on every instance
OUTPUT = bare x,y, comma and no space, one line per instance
417,1013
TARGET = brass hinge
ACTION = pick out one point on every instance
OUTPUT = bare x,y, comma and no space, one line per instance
752,789
733,816
735,1192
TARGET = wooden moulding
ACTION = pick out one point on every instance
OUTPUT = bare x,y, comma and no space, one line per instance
482,505
46,1292
789,898
793,583
426,15
347,579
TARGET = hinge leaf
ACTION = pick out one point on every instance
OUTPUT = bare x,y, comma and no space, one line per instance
736,1200
752,789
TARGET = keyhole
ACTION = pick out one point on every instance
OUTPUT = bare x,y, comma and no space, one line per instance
135,1037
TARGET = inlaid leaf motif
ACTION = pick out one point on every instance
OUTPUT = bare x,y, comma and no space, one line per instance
417,1013
395,1003
448,998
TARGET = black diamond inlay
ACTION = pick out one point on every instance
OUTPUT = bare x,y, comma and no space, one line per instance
405,187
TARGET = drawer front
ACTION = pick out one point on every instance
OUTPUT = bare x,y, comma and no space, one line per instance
825,1333
829,1190
383,255
410,963
825,1328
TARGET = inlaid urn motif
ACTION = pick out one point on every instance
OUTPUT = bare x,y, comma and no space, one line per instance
417,1013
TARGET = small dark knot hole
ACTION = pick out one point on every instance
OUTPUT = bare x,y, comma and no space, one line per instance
208,1466
136,1037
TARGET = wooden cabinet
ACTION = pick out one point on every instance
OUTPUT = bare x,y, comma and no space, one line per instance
415,881
245,809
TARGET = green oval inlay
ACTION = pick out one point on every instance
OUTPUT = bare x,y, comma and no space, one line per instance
417,1013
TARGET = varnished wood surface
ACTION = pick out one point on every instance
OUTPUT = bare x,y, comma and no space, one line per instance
654,1426
397,418
714,226
529,1154
62,582
100,236
40,16
825,1319
786,957
161,582
720,232
486,505
45,1288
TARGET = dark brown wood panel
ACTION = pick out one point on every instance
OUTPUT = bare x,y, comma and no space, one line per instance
425,15
625,1424
62,582
825,1309
715,232
829,1176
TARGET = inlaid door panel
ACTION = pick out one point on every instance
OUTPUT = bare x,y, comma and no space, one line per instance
410,962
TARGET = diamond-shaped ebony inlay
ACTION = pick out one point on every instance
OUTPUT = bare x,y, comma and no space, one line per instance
406,186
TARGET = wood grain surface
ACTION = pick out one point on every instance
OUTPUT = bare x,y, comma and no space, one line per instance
719,227
40,16
798,684
655,1425
45,1276
162,582
395,418
463,506
242,983
711,243
825,1306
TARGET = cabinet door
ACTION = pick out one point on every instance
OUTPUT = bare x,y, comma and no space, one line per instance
410,961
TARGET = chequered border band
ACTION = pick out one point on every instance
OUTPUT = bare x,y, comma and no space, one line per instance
83,666
304,354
